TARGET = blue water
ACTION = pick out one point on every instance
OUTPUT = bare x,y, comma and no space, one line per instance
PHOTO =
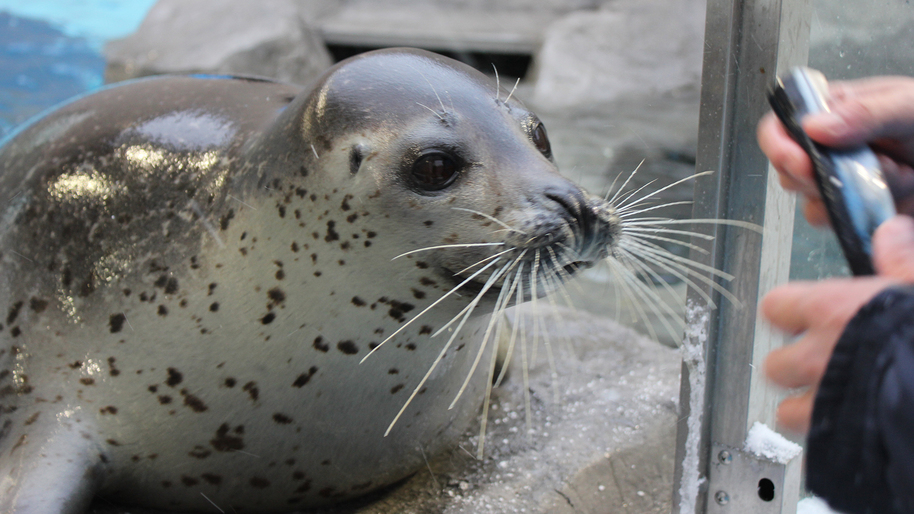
50,50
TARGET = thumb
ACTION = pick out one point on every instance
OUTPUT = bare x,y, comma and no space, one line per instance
893,248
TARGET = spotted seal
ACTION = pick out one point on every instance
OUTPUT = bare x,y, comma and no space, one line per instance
194,269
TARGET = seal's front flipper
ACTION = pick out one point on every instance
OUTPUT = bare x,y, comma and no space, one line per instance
49,463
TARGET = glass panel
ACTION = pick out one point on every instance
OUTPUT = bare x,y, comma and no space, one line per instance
850,40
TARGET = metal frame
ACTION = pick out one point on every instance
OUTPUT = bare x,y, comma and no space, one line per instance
747,43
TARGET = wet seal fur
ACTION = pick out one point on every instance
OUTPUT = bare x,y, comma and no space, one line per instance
193,268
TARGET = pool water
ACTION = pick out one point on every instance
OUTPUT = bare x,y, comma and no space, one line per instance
51,50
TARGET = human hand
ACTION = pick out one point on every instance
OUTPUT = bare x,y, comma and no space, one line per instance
876,111
820,311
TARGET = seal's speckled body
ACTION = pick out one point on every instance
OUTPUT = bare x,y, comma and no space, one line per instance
193,268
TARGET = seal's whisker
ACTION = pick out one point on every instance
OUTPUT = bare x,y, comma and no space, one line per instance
649,297
436,302
641,269
427,81
489,258
512,90
660,252
439,247
678,242
643,231
524,364
499,313
517,284
314,150
612,201
706,221
626,281
436,113
489,282
668,186
565,277
626,212
534,296
681,270
497,83
485,338
493,218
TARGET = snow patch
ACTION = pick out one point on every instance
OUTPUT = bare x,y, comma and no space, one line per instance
764,442
813,505
693,356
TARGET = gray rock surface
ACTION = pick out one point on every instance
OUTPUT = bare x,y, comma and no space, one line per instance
606,445
628,47
270,38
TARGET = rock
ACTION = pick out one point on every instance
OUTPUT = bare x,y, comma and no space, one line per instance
270,38
628,48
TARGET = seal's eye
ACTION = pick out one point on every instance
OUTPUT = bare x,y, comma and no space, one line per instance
434,171
541,140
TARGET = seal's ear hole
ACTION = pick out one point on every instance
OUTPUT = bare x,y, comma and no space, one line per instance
434,170
541,140
356,155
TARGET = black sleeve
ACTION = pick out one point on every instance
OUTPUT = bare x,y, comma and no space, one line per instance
860,451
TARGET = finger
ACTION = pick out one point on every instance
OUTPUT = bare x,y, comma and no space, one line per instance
861,112
893,248
816,214
782,306
803,363
795,413
785,154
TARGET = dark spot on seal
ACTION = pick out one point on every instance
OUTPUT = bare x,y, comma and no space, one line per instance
163,311
66,277
268,318
371,234
411,346
38,305
301,192
196,404
281,419
358,302
417,294
224,221
344,246
422,265
213,307
304,378
332,235
352,217
189,481
211,478
252,390
224,442
164,399
395,389
212,287
425,330
116,322
13,312
230,382
303,171
319,344
199,452
259,483
15,332
276,295
425,281
294,247
313,258
112,442
112,369
282,210
367,244
111,409
153,389
398,309
347,347
345,205
280,274
174,377
88,286
428,223
32,419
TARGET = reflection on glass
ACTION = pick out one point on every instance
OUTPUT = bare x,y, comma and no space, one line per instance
850,40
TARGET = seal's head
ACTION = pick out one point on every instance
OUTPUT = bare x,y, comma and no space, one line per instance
443,147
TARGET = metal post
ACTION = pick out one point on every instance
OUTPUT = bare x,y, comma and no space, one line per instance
722,393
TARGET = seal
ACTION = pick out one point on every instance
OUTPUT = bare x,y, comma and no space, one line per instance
234,292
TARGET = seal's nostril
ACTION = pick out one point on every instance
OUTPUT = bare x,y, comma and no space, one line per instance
570,203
